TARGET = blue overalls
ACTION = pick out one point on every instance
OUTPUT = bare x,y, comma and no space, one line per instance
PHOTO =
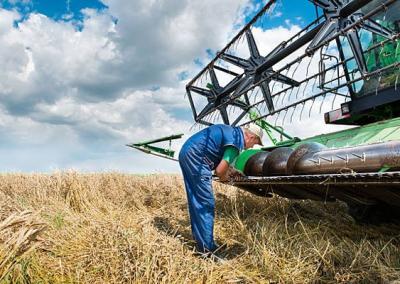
199,156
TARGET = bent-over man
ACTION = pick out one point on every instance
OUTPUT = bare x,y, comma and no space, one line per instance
213,148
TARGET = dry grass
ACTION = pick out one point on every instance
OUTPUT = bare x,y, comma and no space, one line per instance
115,228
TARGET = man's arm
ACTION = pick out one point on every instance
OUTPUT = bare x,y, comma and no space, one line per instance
223,168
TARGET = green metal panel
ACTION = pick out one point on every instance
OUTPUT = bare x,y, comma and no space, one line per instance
382,131
147,148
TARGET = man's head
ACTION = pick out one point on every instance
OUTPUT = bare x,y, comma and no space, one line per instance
252,135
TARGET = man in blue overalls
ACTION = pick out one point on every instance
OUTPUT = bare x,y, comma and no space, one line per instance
213,148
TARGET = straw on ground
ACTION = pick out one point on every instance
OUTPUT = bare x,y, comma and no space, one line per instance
117,228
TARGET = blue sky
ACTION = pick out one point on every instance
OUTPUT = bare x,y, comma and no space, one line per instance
299,11
80,79
58,9
55,9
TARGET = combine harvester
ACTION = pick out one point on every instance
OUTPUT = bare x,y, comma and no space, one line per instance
345,62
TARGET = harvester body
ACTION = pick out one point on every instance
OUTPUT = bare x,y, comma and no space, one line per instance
344,66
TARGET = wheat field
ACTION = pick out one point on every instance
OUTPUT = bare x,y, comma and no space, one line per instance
69,227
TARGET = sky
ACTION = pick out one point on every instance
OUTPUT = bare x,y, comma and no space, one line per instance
79,79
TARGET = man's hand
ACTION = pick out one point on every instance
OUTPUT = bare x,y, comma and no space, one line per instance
227,173
231,174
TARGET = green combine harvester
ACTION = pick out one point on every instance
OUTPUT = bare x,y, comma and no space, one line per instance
348,58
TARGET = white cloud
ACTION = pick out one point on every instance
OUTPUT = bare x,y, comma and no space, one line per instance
72,95
45,60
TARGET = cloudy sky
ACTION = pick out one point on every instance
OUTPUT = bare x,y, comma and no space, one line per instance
79,79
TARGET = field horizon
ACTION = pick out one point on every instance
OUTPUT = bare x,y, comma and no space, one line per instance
70,227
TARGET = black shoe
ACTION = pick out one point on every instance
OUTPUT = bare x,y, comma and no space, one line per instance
219,248
215,256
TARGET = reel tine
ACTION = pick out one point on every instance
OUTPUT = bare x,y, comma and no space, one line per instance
258,94
273,87
195,127
294,110
395,83
322,103
264,107
333,101
249,94
302,108
253,97
298,90
309,63
241,38
295,69
207,118
312,105
284,117
306,86
278,114
283,97
290,94
234,46
211,118
218,116
261,107
334,72
233,111
275,99
215,117
315,82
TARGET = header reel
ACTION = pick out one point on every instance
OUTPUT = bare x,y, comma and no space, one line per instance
285,80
